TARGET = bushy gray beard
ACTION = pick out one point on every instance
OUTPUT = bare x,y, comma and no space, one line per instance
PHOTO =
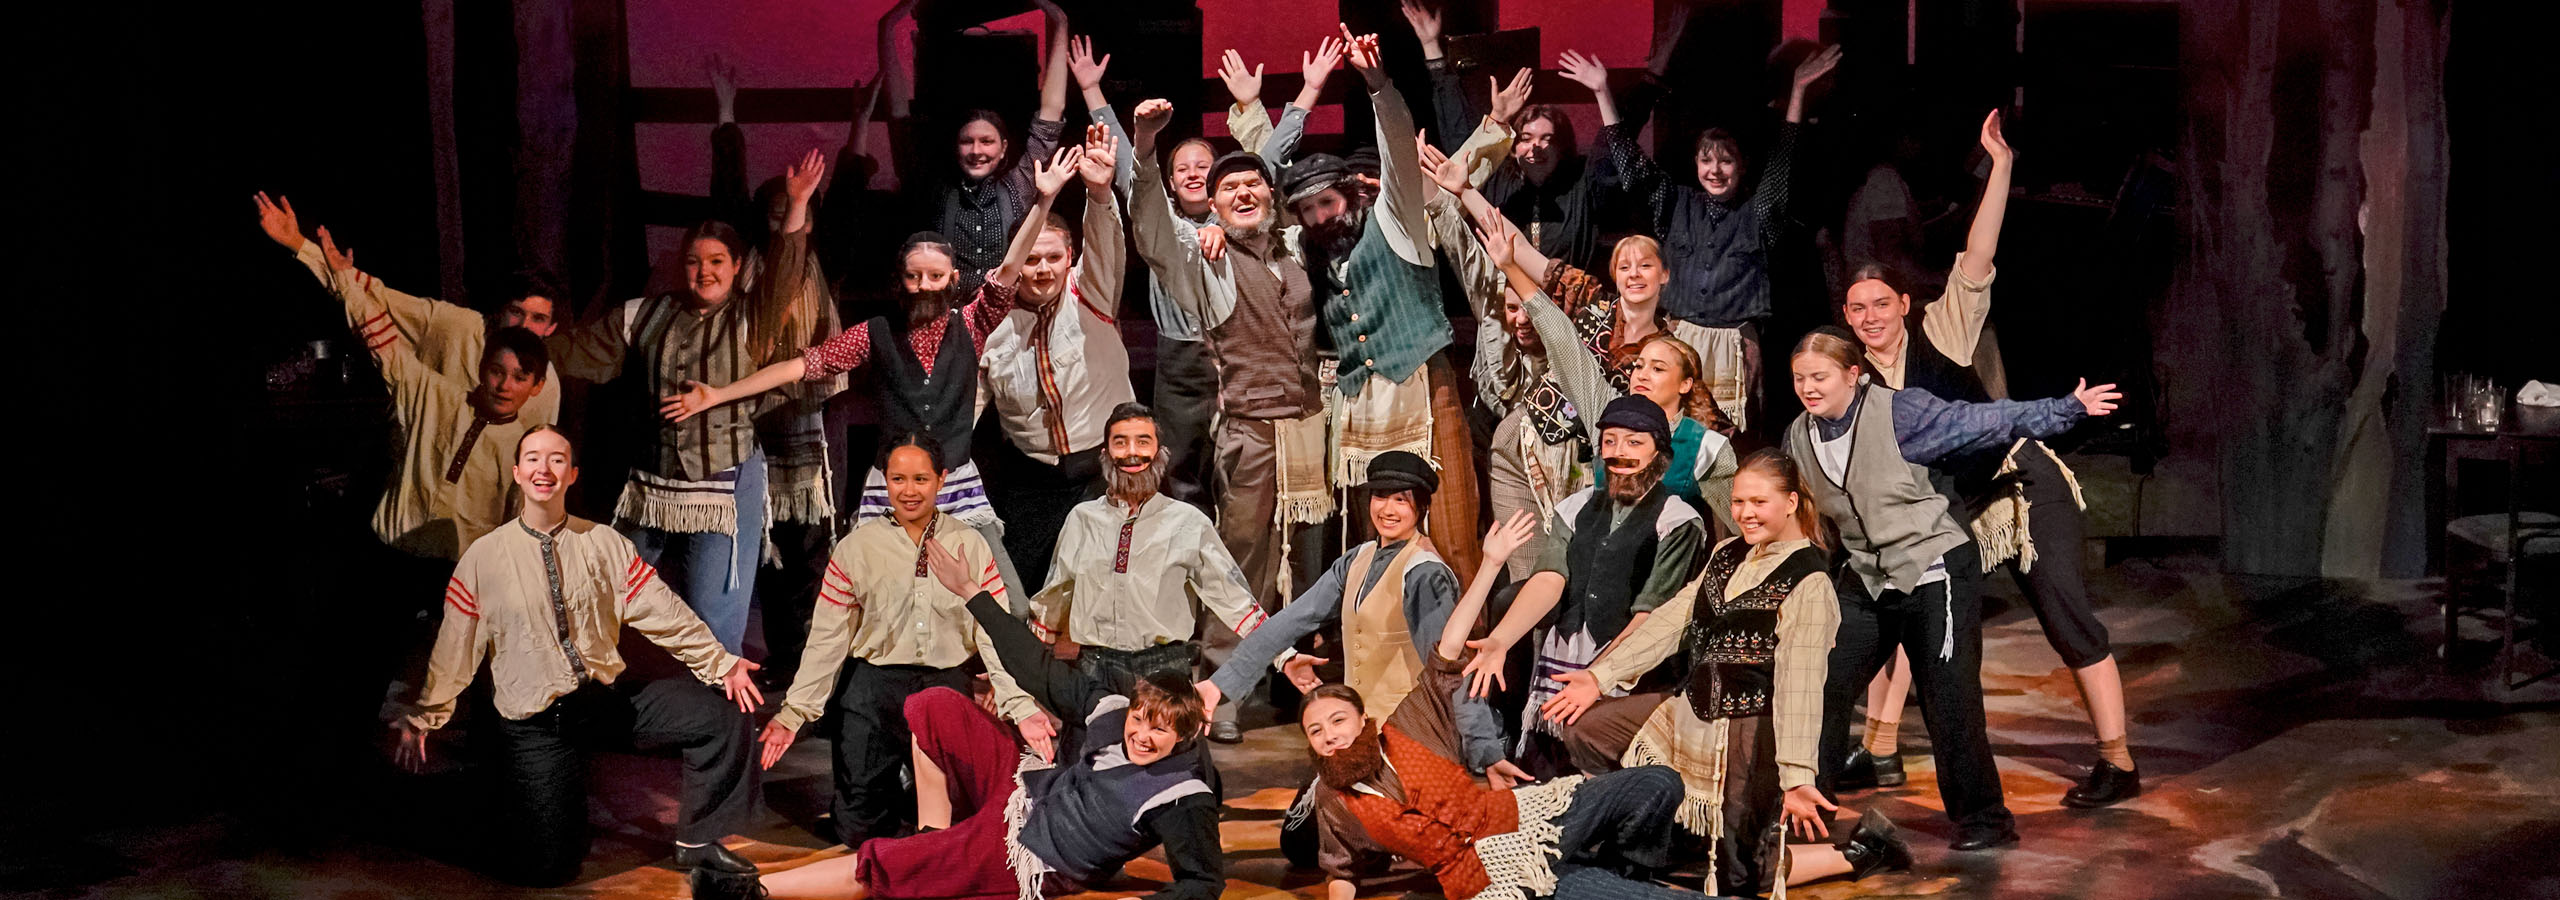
1127,486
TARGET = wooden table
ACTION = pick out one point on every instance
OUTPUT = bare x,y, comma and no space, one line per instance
2456,445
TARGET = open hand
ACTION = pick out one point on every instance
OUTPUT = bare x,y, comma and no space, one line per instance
1052,174
2099,400
1080,63
724,83
1315,67
1509,100
801,180
740,685
1301,670
1819,64
696,399
1804,808
1993,143
1496,235
1243,84
1362,49
276,218
1484,672
1425,21
1447,172
1507,537
1581,689
1586,71
339,260
1505,775
776,740
1101,157
949,570
1041,732
409,747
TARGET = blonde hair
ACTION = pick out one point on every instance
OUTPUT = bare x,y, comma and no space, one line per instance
1777,467
1834,345
1699,403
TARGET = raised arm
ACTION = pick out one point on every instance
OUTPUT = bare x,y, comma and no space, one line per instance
1047,178
899,81
731,202
1053,72
1451,114
1400,196
1102,266
1589,72
1175,261
1089,72
1954,323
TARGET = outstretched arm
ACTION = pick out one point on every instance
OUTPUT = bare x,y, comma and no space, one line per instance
1954,323
1400,195
1053,73
1591,74
1930,429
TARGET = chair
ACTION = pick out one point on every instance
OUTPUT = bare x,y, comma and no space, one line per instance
2511,546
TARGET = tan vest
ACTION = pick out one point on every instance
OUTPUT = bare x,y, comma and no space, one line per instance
1377,643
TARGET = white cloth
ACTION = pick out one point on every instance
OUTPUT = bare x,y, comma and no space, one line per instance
1128,582
2535,393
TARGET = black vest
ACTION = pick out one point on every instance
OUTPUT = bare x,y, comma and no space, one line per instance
944,404
1084,820
1733,644
1967,478
1604,569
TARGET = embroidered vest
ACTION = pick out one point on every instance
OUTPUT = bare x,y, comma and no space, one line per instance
943,404
1733,644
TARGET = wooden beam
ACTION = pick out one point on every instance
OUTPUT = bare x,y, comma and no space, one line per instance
697,106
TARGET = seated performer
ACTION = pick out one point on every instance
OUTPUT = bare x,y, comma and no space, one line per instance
935,334
1401,786
902,634
1129,564
1615,552
448,337
1745,716
541,601
1007,826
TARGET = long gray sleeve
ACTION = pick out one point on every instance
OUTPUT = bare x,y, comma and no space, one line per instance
1253,655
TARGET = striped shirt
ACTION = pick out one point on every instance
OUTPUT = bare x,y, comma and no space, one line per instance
880,603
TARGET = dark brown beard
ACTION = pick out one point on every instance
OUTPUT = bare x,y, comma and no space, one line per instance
927,306
1353,764
1128,485
1626,491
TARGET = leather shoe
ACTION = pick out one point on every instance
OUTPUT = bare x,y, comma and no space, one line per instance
711,884
2106,786
1226,733
714,857
1983,837
1875,847
1866,770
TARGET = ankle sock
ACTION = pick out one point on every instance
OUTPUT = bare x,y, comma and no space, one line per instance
2116,753
1885,738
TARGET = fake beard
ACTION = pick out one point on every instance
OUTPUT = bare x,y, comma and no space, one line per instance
1335,239
927,306
1127,485
1353,764
1627,490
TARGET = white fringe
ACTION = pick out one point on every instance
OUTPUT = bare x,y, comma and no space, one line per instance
1028,868
1521,864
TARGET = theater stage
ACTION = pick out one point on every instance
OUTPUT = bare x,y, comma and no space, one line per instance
2298,739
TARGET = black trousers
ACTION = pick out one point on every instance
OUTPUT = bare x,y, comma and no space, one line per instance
541,826
1034,499
787,593
2057,588
872,743
1950,689
1118,671
1186,394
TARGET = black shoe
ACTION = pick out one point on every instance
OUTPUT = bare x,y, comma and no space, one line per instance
1865,770
2107,785
1226,733
714,857
712,884
1875,847
1771,857
1983,837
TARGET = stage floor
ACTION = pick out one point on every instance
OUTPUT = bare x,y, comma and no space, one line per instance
2297,739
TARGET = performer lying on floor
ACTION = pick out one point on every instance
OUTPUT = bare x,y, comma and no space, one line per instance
1134,782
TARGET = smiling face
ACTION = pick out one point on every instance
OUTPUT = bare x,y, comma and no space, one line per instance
1627,452
1189,177
1320,210
1638,270
1243,202
1044,272
544,466
1764,509
1823,385
1719,169
505,384
1535,147
529,313
710,270
914,482
1875,311
1660,374
981,148
1331,724
1146,739
1515,319
1394,515
1131,445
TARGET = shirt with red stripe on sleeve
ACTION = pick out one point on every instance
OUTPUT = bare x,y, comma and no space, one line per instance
545,609
851,348
880,603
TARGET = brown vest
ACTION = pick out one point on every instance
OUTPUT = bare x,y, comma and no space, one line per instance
1378,653
1266,349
